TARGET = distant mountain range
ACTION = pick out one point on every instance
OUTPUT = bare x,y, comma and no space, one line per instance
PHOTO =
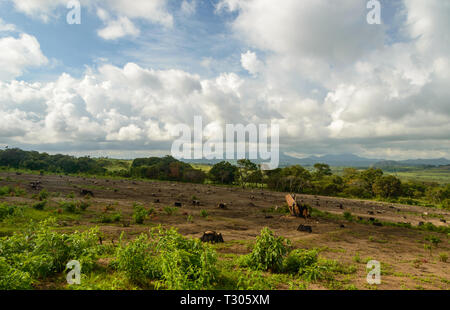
351,160
346,160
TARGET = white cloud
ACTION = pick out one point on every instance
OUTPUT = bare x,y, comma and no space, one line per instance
18,54
188,7
119,16
154,11
251,63
119,28
328,78
333,31
40,9
4,27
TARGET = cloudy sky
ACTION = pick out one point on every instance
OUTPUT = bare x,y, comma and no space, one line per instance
119,82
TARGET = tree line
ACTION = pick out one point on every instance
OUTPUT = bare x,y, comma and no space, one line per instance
352,183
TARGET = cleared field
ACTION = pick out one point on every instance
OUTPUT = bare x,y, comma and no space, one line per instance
439,175
342,229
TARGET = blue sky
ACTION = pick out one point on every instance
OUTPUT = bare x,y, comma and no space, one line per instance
118,83
193,38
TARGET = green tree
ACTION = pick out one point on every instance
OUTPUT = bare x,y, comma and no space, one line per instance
387,187
246,168
224,173
322,170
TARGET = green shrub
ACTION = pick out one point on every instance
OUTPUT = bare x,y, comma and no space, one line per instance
204,213
12,278
299,260
19,192
39,205
6,190
111,218
170,210
68,206
348,216
254,281
6,211
39,252
136,259
139,213
268,252
83,205
174,262
186,264
43,195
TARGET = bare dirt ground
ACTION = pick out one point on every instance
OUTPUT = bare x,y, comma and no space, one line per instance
406,264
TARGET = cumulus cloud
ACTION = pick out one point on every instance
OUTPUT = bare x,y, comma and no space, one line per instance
116,29
251,63
331,81
18,54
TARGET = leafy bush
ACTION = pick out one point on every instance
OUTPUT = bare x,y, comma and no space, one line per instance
139,213
268,252
111,218
136,259
308,265
6,190
83,205
39,205
68,206
186,264
43,195
18,192
175,262
170,210
6,210
39,252
12,278
299,260
204,213
348,216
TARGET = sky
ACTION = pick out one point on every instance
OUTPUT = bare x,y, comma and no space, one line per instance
118,83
